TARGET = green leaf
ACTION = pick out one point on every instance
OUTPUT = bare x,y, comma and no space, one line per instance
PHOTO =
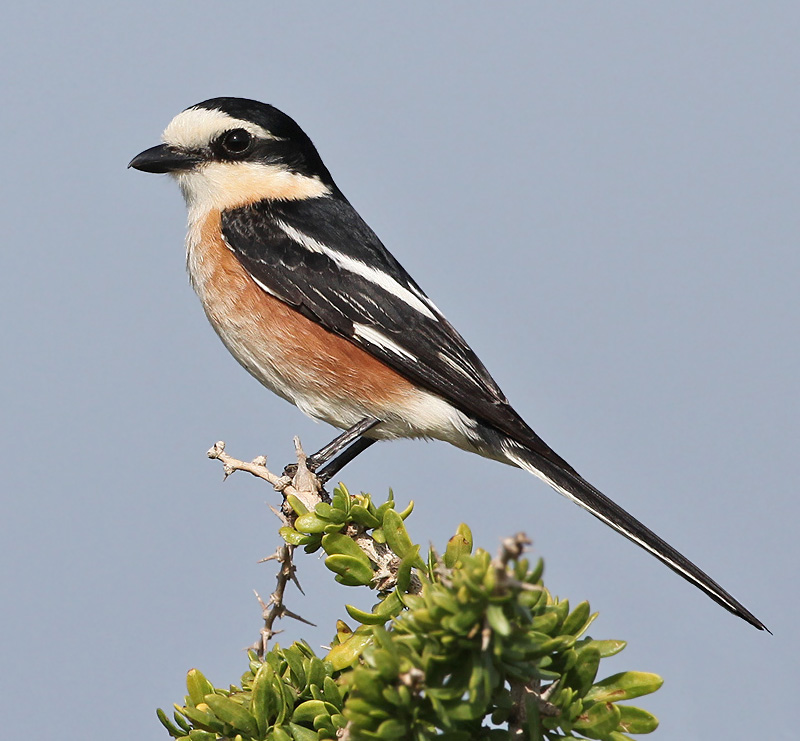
307,711
537,572
262,704
182,722
362,516
392,728
396,533
458,546
278,734
350,571
296,504
599,720
198,686
327,512
198,735
577,621
546,623
342,544
582,675
172,729
332,693
232,713
624,686
349,651
347,560
315,672
407,511
323,510
299,733
201,716
607,648
636,720
561,609
384,508
497,620
310,523
295,661
341,498
404,568
383,611
293,537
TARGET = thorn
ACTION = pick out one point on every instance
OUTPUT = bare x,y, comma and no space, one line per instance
288,613
297,582
261,602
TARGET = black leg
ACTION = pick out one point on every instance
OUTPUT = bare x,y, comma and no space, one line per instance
326,473
336,446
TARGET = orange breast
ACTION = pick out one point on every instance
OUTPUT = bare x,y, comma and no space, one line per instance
290,354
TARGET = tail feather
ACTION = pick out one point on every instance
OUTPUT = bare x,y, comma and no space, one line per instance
567,482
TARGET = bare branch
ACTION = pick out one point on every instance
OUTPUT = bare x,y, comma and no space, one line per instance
256,467
307,488
275,608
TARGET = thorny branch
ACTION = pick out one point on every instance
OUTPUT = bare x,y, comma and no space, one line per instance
275,608
306,487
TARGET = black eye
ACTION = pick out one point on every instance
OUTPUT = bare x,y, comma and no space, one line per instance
236,142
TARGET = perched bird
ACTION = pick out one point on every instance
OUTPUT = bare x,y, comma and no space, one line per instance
308,300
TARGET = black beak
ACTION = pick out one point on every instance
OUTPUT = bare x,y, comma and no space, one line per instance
162,159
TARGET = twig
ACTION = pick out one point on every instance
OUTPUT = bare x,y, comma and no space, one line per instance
256,467
275,607
306,487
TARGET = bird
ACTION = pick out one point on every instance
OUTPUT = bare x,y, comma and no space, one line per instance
309,301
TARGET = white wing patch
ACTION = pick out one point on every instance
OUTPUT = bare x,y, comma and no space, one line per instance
463,370
264,287
378,277
374,337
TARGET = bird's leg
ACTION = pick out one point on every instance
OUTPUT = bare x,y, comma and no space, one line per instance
326,473
336,446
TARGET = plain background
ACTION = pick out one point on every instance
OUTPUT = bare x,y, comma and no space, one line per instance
602,197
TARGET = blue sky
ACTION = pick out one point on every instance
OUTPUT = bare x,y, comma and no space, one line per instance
601,197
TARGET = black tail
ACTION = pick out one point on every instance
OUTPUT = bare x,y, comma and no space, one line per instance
572,486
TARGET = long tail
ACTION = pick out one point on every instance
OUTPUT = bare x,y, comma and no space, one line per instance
567,482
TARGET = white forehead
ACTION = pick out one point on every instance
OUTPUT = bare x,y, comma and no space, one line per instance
196,127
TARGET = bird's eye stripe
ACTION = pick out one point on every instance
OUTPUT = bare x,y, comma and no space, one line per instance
196,127
377,277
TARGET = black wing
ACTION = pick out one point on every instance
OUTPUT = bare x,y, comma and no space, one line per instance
320,257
